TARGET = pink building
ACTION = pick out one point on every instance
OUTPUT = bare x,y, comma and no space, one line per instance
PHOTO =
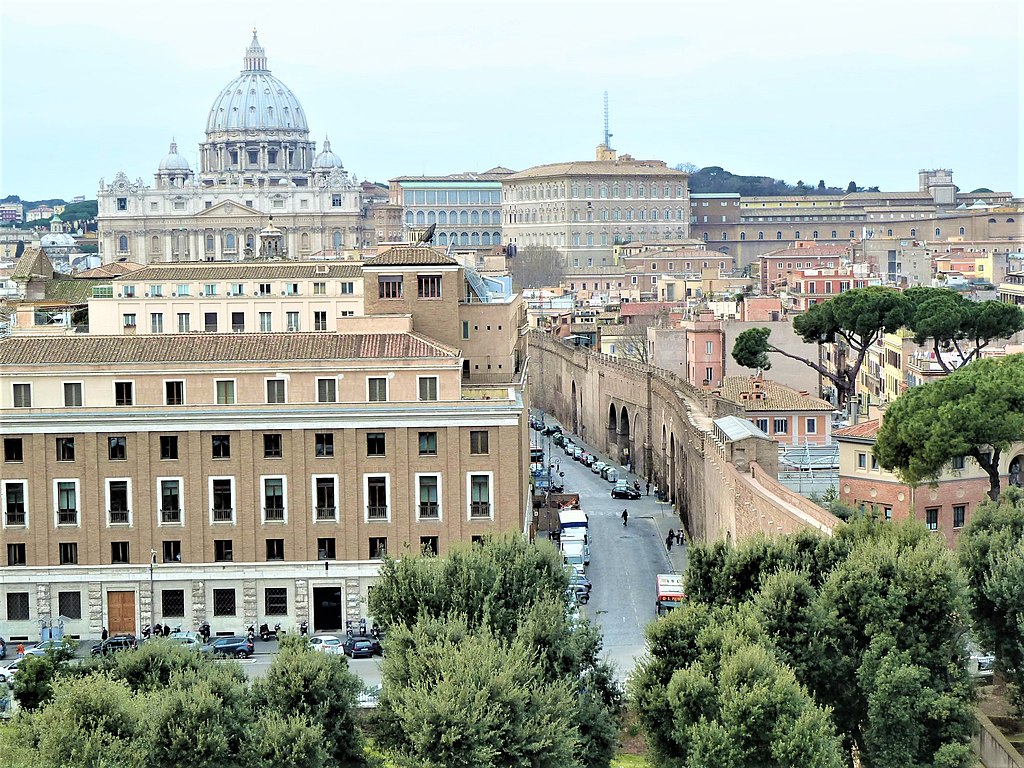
776,266
808,287
761,309
705,351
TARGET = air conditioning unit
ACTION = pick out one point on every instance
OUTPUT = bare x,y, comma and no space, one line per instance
229,293
201,294
174,295
147,295
284,293
119,295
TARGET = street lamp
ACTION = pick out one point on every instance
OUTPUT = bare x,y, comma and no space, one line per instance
152,596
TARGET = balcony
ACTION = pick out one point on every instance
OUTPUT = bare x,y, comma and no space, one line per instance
429,509
170,515
119,516
67,517
375,512
223,514
326,513
480,509
274,514
15,515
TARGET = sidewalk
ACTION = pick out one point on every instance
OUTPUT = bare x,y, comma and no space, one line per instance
660,512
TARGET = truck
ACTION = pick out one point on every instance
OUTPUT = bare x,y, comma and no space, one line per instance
573,518
670,592
576,554
574,538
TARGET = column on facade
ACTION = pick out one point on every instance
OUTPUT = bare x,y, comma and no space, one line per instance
217,244
168,245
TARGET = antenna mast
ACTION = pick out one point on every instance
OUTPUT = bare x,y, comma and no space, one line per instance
607,134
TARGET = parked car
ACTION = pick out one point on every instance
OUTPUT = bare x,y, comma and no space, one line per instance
558,439
3,649
373,641
236,645
551,429
187,639
61,649
576,452
597,466
358,647
587,459
326,644
580,585
623,490
115,643
8,670
568,446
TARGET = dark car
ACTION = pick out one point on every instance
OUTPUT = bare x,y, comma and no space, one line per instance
3,649
551,430
236,645
624,490
558,439
373,641
358,647
115,643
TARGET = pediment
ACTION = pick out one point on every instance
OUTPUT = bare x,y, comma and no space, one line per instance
227,209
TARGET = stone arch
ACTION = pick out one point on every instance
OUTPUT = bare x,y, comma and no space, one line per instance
1016,471
625,438
613,418
575,410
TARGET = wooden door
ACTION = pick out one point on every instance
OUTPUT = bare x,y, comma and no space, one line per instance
121,613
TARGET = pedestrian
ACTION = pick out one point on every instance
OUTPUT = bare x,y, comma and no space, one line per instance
670,539
636,485
625,517
648,487
103,634
679,537
21,650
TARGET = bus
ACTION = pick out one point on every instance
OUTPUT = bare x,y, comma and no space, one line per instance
670,592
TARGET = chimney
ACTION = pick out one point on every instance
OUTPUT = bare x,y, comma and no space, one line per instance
605,153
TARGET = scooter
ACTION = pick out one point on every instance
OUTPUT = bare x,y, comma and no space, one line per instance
204,631
265,633
251,633
278,631
304,628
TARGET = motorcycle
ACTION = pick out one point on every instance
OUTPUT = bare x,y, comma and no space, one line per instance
204,631
251,633
278,631
304,628
146,631
265,633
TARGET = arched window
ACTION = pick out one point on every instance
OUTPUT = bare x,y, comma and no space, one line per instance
704,237
485,217
1009,221
474,239
229,241
991,221
408,218
778,235
760,235
474,218
431,218
725,235
453,217
464,217
796,235
464,238
155,243
814,235
336,238
615,190
442,218
743,235
888,233
496,238
453,238
442,238
938,232
304,241
852,234
485,239
209,244
250,241
834,233
962,231
421,218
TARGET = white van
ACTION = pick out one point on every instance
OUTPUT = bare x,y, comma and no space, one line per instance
576,554
576,537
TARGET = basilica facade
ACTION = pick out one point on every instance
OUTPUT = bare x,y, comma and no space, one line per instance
258,172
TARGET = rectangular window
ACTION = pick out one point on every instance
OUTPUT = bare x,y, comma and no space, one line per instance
347,288
124,393
224,599
429,499
325,549
959,515
272,446
428,545
324,444
183,289
174,392
428,286
119,511
292,322
428,443
273,499
172,552
479,496
263,289
238,322
117,448
14,503
225,389
862,461
390,286
275,601
69,604
13,449
128,320
376,498
16,554
375,444
428,387
210,321
326,498
223,551
170,501
172,603
319,289
478,442
958,462
68,553
119,552
275,391
812,426
221,445
266,324
72,394
780,426
17,606
168,447
292,289
326,391
275,549
465,327
222,499
65,449
378,547
156,322
377,389
874,462
319,320
931,518
184,322
22,395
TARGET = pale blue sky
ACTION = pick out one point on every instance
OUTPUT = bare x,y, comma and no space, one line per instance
856,89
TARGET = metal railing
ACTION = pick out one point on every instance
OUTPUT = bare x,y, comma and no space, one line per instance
273,513
223,514
15,516
67,517
170,515
429,509
118,516
377,512
326,513
480,509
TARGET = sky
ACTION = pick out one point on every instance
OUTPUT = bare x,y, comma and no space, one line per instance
863,90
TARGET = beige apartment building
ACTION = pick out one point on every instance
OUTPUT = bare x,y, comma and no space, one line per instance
247,476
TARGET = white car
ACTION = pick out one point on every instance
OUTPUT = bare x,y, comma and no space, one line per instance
8,670
327,644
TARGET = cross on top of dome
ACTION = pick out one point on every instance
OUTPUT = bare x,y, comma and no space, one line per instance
255,56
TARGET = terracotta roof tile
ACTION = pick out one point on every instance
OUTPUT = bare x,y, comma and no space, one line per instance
216,348
241,270
865,429
814,250
412,256
601,168
778,397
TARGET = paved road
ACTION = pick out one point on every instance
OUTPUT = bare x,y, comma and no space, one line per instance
624,561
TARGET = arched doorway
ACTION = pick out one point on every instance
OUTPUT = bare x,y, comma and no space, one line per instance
1017,471
670,481
612,446
625,449
575,411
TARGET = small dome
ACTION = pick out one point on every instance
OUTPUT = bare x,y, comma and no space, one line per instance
326,159
173,161
57,240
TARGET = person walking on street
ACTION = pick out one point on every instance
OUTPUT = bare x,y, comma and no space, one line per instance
21,650
636,485
670,539
648,487
103,634
679,537
625,517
